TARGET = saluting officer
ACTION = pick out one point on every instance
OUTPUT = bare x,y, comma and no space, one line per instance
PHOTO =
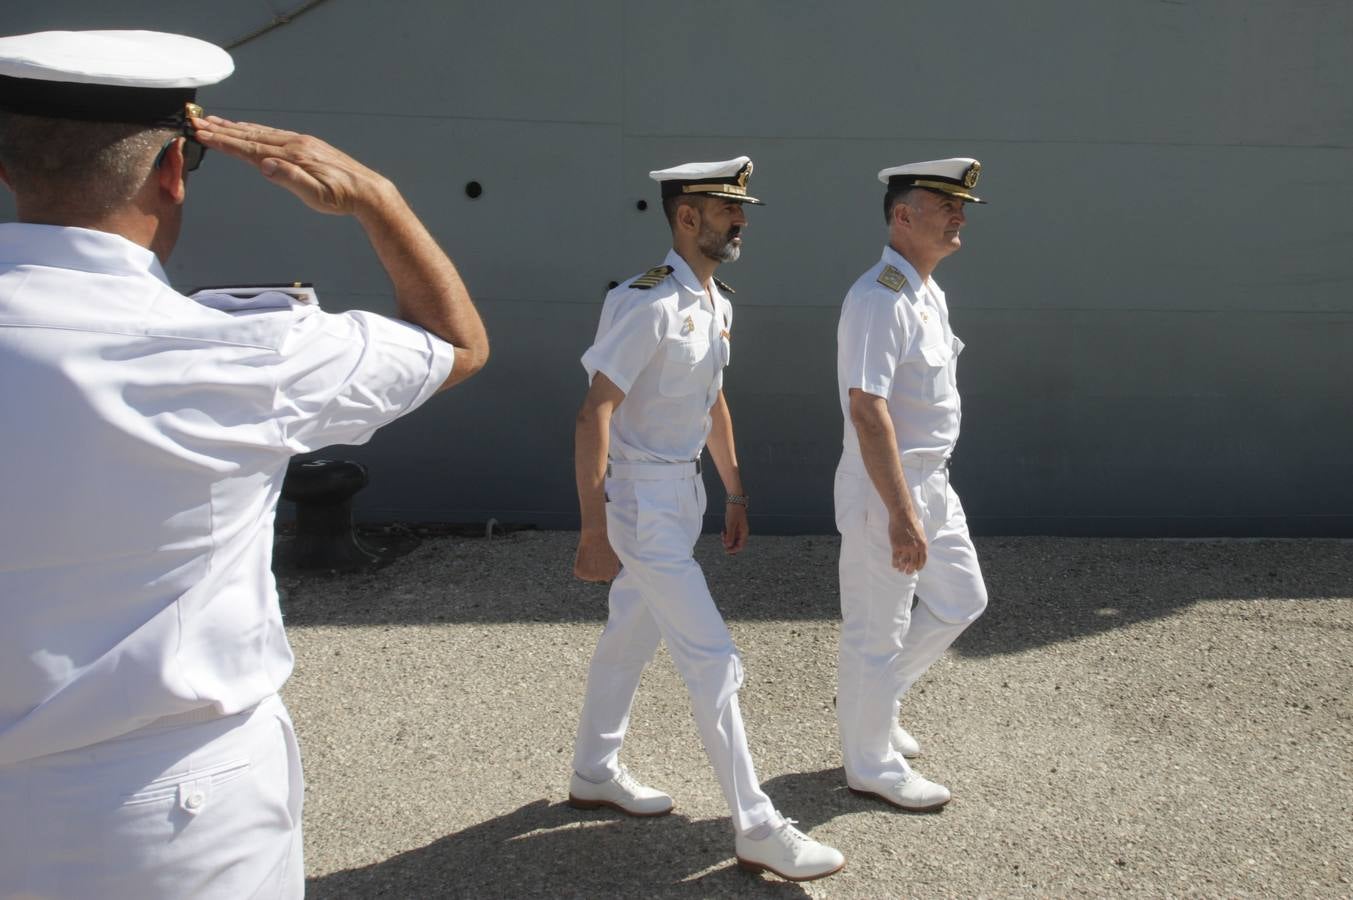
903,531
656,370
144,751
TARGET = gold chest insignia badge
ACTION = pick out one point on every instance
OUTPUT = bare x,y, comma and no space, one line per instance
688,326
970,177
892,278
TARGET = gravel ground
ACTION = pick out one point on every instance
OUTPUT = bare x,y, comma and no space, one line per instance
1129,718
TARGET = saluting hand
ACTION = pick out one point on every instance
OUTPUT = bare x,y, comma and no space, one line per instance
907,538
325,178
595,560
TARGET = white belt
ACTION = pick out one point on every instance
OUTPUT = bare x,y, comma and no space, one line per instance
854,464
191,717
199,716
926,463
648,471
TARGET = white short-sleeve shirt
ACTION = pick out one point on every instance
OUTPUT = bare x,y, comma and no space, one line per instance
665,347
894,341
146,439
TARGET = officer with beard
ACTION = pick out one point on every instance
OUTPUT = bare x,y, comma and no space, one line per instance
656,399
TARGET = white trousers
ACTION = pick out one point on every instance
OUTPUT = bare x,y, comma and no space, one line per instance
661,594
886,644
208,809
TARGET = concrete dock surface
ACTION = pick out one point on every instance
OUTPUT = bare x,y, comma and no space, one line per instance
1139,718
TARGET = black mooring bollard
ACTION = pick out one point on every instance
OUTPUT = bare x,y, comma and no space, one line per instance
322,490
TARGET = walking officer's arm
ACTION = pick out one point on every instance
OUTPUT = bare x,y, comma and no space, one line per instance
595,561
878,447
725,455
429,292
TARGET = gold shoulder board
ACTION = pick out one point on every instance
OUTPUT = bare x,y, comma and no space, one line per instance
724,287
651,277
892,278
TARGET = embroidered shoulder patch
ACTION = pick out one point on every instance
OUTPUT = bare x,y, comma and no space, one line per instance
652,277
892,278
724,287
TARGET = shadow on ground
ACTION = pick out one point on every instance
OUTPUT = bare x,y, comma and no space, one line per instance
1043,590
1048,590
551,849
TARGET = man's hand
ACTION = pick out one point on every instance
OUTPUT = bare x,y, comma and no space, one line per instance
595,560
429,291
735,529
326,179
907,538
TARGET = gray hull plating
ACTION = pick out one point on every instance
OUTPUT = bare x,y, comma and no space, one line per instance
1156,304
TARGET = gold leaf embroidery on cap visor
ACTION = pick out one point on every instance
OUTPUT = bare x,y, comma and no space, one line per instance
703,188
944,187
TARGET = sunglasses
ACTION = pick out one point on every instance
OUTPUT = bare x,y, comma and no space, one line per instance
192,150
192,153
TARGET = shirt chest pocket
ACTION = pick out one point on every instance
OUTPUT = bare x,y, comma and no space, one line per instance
686,368
936,362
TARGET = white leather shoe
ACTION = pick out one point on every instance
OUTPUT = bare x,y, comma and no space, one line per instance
913,793
622,793
789,853
904,743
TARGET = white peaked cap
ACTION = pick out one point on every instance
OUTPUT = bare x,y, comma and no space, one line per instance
717,179
957,176
114,76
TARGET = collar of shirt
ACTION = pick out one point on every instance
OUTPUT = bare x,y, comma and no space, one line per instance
898,261
681,271
83,249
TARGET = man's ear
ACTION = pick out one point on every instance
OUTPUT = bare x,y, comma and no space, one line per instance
171,173
901,213
688,217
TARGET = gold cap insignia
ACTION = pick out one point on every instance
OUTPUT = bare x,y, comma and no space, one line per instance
974,172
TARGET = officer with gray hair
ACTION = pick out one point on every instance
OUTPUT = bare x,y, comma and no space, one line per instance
144,751
903,531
